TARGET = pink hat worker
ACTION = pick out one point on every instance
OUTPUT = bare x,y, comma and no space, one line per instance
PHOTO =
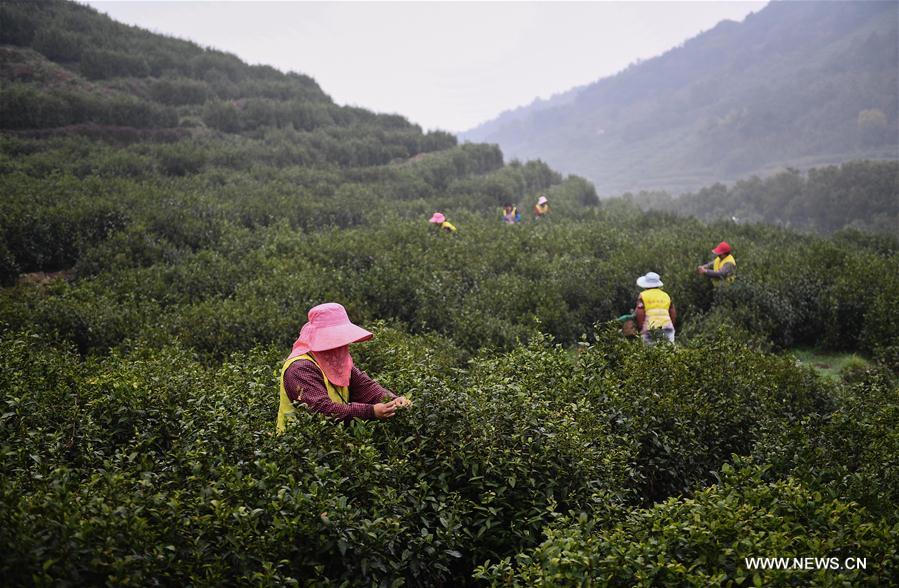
319,372
439,219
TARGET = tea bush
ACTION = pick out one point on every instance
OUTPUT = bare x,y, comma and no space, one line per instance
146,464
847,453
690,408
705,541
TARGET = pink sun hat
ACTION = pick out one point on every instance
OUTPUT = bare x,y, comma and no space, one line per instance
541,200
329,327
437,217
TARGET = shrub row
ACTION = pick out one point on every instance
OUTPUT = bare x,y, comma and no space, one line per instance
706,540
191,271
147,466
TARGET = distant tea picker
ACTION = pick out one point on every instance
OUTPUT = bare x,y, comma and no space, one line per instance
320,374
439,220
541,209
655,313
511,215
722,269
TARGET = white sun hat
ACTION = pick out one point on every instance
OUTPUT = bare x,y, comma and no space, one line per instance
650,280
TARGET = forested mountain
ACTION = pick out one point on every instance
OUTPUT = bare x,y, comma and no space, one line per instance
796,84
521,114
170,214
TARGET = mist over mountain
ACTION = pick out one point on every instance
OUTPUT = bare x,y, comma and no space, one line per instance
797,84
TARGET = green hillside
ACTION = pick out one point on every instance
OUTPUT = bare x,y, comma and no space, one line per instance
67,70
170,214
797,84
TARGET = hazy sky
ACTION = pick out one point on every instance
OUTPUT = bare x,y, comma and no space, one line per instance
447,65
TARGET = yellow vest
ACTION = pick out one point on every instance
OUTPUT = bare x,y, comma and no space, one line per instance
337,394
719,263
541,209
656,304
448,226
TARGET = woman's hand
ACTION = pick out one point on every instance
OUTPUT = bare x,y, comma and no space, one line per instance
385,410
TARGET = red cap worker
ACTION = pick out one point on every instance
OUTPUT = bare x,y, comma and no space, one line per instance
722,269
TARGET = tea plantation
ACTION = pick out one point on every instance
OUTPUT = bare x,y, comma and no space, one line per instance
155,274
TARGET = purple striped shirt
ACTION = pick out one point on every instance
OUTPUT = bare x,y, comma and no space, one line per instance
303,382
